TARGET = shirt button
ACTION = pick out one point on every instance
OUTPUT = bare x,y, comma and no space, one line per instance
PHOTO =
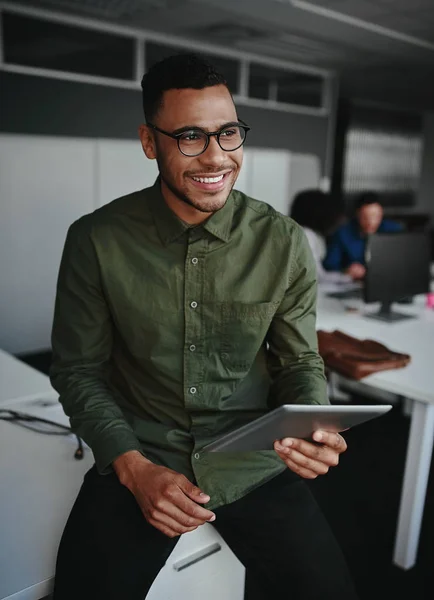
197,456
193,304
192,348
194,260
193,390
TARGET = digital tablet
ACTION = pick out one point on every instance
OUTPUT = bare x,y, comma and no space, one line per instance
295,420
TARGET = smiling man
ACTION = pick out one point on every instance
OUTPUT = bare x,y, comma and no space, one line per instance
183,311
196,176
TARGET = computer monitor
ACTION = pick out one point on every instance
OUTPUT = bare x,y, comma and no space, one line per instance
397,267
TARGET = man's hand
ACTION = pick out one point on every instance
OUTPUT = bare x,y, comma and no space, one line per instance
356,271
167,499
308,459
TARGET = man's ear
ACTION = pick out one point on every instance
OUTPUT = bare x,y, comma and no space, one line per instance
146,136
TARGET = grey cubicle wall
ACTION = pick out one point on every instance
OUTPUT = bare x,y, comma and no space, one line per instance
44,106
426,186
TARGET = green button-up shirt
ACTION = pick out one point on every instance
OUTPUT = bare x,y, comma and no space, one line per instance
166,336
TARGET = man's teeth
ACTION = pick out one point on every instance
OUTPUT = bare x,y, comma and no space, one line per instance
209,179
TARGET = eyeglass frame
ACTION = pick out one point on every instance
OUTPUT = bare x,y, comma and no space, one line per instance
177,136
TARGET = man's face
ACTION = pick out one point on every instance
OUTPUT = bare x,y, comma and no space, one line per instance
210,109
370,217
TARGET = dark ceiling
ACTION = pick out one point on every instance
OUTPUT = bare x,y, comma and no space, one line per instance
383,50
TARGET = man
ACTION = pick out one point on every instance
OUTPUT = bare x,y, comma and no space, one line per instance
346,251
183,311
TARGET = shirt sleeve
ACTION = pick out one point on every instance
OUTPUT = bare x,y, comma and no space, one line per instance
295,366
318,256
390,226
334,258
81,344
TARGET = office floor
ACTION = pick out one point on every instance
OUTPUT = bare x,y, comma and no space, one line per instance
360,498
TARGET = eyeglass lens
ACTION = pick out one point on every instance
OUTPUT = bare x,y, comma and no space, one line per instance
193,142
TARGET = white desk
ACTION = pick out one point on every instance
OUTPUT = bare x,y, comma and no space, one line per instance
416,382
40,479
18,379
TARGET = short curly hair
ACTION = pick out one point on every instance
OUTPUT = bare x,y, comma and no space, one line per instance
180,71
366,198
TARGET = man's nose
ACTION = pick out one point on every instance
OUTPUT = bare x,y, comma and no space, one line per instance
213,155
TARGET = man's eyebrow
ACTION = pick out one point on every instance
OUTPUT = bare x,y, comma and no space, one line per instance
192,127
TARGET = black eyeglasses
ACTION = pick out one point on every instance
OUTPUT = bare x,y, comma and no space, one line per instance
194,140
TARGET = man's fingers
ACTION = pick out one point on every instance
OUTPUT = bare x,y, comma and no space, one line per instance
175,496
316,452
326,438
162,521
178,515
192,509
165,529
330,439
193,491
190,491
299,470
304,462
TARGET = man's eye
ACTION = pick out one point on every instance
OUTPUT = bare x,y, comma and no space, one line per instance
191,136
228,133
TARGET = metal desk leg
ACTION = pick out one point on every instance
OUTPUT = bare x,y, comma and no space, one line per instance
417,467
334,391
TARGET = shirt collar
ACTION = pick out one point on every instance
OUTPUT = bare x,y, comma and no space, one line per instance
170,227
220,223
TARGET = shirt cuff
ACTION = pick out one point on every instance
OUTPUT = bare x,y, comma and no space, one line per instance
107,448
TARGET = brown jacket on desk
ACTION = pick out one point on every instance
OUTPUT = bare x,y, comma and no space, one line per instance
355,358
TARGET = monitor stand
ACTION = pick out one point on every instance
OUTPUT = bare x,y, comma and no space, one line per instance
387,315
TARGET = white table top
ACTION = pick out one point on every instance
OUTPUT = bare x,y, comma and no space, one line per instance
40,481
412,336
17,379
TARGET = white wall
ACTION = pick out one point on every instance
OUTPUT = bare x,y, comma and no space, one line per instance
46,183
276,176
121,168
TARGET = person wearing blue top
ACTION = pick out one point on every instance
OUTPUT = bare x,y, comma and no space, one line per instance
346,248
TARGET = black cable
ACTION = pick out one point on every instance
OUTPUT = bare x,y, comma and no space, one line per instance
20,418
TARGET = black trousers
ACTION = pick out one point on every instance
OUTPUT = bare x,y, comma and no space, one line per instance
109,551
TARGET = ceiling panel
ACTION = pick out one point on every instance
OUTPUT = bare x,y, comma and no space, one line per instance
426,16
419,28
399,21
360,9
276,28
107,9
405,5
170,16
301,51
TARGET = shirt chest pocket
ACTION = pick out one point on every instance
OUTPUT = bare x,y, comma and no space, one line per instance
244,327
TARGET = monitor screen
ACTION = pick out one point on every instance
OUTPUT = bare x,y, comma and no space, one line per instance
397,266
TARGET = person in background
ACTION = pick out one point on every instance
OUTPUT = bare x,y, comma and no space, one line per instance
346,249
318,214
